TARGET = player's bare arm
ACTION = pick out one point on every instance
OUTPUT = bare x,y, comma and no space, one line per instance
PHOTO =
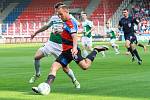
92,29
40,30
75,43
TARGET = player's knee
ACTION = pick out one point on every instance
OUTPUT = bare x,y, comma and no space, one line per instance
85,67
65,69
37,58
55,66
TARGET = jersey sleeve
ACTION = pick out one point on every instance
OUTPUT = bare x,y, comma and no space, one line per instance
50,22
90,23
72,26
75,19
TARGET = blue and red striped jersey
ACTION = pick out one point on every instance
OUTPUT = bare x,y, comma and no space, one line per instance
70,27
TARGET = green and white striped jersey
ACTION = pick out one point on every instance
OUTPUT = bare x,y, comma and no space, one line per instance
87,26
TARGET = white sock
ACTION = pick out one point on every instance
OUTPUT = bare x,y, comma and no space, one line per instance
85,53
116,50
103,53
71,75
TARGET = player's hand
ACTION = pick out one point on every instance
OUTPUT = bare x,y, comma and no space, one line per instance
32,36
74,51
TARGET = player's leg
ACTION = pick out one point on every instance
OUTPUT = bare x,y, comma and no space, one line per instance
136,53
89,46
128,46
114,46
84,47
71,74
86,63
62,60
51,76
38,55
85,51
127,52
133,50
56,51
141,45
41,52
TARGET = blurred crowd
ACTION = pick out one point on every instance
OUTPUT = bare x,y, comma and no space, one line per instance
141,11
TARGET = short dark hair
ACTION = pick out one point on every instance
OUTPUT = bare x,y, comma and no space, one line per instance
60,4
125,9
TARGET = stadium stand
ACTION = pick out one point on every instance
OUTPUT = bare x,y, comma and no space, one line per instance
29,15
3,5
141,11
79,4
105,9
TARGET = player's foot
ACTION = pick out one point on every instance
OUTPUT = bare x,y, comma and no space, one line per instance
117,53
127,53
140,62
35,89
34,78
145,48
76,84
103,54
101,48
133,59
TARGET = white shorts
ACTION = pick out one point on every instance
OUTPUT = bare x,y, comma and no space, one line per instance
86,41
51,48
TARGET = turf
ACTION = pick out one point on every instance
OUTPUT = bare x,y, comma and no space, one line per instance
113,77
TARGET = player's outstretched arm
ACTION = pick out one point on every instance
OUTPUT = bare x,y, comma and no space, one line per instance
40,30
92,29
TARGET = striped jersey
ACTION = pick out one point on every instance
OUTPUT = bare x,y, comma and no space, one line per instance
110,32
56,25
70,27
87,26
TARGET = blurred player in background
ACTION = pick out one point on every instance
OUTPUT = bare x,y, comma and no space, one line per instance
127,23
86,38
52,47
112,35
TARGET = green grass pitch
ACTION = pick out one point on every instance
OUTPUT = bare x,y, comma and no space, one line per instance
113,77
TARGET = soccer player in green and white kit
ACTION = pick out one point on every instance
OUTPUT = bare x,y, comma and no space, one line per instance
112,35
86,39
52,47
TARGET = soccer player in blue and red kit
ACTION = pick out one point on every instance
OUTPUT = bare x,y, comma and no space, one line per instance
70,48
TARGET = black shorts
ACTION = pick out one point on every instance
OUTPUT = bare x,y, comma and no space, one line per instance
131,38
66,57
